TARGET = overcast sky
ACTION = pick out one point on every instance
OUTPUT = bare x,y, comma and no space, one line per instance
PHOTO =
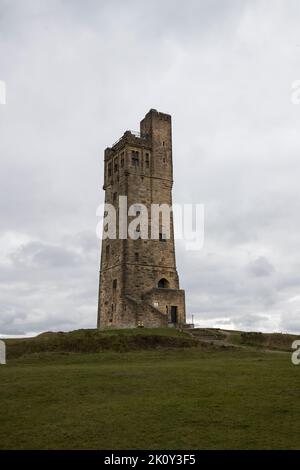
78,74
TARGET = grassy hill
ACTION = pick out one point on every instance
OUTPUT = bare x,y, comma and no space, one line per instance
94,341
163,389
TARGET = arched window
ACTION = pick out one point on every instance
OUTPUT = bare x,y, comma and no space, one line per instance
163,283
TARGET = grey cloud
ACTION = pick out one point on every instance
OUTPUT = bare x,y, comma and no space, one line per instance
250,321
78,74
40,255
261,267
290,322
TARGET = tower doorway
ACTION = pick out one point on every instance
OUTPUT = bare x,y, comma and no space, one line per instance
174,314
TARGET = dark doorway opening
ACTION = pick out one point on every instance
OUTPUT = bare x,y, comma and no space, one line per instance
163,284
174,314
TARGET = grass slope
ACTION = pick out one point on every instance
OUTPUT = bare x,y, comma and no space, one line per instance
92,341
164,398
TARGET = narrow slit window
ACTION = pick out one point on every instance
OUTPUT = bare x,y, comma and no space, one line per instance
138,233
135,158
147,160
137,209
116,165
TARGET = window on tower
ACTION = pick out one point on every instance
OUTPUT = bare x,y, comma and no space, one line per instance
147,160
137,233
163,284
109,169
122,160
116,165
137,209
162,237
135,160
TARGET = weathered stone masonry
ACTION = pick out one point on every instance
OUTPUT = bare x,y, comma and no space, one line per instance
139,283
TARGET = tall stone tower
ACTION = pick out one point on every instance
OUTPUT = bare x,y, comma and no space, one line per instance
139,284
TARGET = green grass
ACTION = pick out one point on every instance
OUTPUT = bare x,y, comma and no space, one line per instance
154,399
91,341
275,341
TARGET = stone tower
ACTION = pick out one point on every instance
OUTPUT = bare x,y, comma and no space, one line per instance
139,284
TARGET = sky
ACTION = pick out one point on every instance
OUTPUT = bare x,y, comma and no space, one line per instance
78,74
